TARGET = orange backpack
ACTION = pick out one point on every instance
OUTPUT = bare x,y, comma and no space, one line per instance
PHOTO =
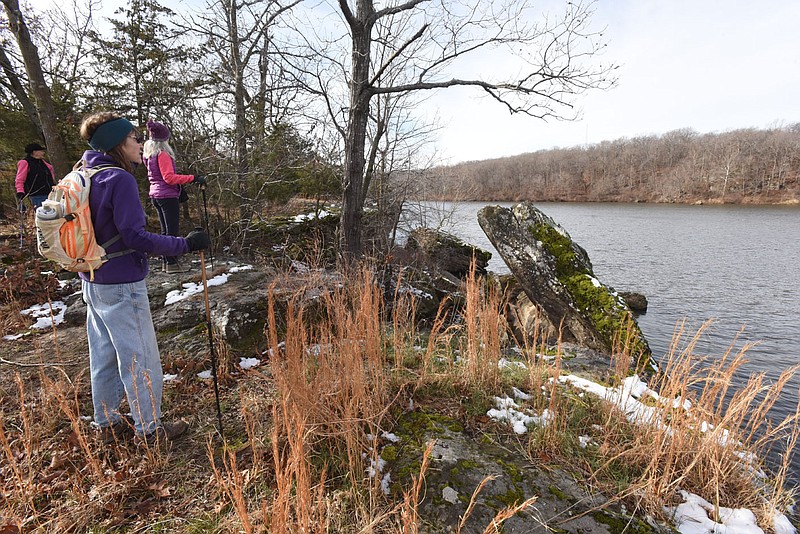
64,230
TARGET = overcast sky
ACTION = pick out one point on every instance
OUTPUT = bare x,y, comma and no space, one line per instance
709,65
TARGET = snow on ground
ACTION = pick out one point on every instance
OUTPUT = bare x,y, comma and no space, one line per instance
47,315
249,363
310,216
691,517
193,288
376,468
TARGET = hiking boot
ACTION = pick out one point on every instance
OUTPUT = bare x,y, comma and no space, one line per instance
119,432
163,435
175,268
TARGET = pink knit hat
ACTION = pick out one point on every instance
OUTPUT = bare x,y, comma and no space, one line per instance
157,131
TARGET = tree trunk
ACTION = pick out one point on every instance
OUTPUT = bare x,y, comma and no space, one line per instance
19,91
355,138
39,88
240,114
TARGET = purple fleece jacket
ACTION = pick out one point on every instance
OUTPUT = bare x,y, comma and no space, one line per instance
116,209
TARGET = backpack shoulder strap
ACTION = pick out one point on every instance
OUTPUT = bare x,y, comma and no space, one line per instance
89,174
94,170
116,254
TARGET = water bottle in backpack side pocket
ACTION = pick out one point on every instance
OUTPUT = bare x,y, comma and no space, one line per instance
49,210
46,213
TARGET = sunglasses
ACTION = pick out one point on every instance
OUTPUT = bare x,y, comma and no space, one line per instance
138,137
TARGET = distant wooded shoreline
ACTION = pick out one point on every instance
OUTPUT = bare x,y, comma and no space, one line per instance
748,166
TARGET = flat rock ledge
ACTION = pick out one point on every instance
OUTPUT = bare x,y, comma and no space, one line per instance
460,461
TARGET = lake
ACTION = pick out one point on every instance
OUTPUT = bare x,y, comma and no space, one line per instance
737,265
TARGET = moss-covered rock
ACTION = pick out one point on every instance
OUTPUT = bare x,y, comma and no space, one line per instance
556,274
459,463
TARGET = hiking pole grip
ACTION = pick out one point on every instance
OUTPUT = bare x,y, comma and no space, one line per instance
210,328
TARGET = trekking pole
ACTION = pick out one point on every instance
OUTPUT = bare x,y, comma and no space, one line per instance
210,328
208,230
21,209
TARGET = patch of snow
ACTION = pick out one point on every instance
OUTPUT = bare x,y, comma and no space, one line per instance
409,290
692,517
193,288
248,363
519,394
508,410
205,375
310,216
390,437
42,314
13,337
505,364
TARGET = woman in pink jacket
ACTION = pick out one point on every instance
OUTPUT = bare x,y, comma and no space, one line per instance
34,176
165,186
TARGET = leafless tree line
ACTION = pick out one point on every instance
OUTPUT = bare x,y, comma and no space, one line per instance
266,93
747,165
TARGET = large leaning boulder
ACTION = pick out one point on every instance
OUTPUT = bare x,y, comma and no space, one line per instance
556,274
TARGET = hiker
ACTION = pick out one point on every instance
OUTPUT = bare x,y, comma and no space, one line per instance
34,176
123,353
166,186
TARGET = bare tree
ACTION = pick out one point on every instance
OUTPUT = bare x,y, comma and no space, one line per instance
39,88
13,83
430,46
237,33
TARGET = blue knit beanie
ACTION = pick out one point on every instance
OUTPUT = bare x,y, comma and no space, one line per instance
110,134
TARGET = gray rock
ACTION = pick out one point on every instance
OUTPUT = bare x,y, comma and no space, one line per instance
460,462
442,251
556,275
635,301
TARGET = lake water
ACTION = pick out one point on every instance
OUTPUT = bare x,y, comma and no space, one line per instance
738,265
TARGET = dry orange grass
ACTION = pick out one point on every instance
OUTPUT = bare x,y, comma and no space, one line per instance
302,435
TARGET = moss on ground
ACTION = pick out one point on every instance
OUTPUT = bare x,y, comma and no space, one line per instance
619,524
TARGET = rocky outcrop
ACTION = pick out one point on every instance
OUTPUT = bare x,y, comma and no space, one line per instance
556,274
446,252
460,461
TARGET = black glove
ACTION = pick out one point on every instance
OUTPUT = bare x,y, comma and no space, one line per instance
198,240
20,196
199,179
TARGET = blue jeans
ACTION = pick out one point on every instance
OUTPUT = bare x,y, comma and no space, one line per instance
36,200
168,210
123,354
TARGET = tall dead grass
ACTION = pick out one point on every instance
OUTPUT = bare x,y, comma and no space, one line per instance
704,435
341,363
57,477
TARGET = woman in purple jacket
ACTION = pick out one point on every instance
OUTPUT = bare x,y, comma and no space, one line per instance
165,186
123,353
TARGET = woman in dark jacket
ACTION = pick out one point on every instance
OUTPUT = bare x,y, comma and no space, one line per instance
123,353
34,176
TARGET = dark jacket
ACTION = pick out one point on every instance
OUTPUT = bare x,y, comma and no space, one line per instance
34,176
